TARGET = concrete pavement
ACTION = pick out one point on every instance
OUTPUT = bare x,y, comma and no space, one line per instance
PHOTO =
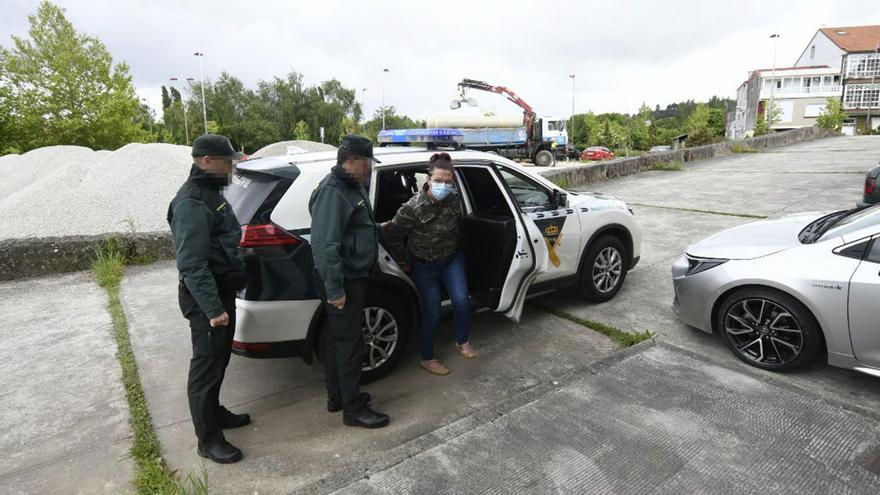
660,421
293,442
64,416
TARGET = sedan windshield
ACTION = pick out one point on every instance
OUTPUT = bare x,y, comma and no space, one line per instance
839,223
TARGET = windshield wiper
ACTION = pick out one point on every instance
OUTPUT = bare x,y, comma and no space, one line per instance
817,228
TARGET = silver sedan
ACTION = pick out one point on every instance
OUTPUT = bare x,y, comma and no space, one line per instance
780,291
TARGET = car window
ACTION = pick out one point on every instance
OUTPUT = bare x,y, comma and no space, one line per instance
528,194
874,253
485,194
395,187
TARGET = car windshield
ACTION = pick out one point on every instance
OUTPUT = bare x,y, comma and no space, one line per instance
839,223
852,221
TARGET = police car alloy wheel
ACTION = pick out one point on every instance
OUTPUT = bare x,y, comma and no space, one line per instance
381,334
603,269
387,325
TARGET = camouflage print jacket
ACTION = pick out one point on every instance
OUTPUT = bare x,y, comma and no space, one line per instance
432,227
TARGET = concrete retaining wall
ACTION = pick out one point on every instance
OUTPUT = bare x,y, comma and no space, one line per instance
33,257
578,176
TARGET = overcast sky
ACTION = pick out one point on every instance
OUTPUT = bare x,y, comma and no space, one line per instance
622,53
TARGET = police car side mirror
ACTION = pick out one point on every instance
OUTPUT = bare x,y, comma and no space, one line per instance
560,199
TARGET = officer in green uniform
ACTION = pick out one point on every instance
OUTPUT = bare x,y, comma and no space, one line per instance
206,236
345,244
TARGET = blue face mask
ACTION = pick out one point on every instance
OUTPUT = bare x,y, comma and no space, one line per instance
440,190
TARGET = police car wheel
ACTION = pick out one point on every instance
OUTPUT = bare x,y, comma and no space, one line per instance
603,269
386,333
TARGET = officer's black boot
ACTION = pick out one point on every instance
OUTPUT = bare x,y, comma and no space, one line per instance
365,417
220,451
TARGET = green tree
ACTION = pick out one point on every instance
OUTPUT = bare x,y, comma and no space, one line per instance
61,87
302,131
764,124
166,98
832,117
392,121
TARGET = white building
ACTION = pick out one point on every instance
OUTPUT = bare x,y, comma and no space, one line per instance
855,52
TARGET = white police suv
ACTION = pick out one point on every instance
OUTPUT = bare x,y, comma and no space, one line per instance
522,235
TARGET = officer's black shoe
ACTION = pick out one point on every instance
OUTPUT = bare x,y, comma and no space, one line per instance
228,420
366,418
336,405
221,452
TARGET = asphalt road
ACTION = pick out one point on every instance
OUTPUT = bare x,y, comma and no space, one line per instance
549,406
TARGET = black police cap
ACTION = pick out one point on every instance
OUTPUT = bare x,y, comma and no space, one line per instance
358,145
214,145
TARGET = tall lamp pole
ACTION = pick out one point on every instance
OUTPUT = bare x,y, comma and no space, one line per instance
364,103
571,126
202,79
775,38
873,82
384,71
183,104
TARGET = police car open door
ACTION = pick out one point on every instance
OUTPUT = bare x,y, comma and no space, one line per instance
504,249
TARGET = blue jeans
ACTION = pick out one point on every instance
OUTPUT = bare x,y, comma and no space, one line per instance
428,276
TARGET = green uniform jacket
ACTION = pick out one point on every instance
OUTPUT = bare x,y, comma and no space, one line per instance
206,235
344,237
432,228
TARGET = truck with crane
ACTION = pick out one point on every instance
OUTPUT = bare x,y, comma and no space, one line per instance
541,140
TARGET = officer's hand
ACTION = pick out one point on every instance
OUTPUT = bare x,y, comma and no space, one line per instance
220,321
338,303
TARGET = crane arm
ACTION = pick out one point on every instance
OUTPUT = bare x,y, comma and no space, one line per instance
528,112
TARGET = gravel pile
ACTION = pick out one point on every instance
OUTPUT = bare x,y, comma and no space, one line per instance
288,147
71,190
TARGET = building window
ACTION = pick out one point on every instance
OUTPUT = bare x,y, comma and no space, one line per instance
863,66
861,96
814,110
812,52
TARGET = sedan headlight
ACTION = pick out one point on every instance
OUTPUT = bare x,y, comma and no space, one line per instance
698,265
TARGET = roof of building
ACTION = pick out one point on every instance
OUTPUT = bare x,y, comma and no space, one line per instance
854,38
807,67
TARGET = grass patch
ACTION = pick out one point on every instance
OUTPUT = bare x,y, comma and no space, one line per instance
152,475
561,182
741,148
709,212
622,338
673,166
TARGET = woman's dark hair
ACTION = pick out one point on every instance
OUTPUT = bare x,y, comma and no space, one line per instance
440,161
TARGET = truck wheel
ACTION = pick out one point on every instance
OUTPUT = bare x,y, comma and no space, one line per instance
544,158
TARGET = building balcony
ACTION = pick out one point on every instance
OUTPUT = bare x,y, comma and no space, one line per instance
803,92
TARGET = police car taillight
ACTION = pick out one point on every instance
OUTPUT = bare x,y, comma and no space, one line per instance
266,235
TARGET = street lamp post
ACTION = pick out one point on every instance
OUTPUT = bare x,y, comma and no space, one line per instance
775,38
384,71
202,78
364,103
571,126
873,82
183,104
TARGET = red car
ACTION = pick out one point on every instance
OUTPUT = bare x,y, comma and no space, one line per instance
597,153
